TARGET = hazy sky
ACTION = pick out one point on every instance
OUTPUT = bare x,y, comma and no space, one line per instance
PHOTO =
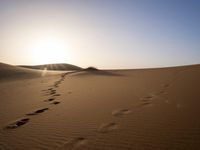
101,33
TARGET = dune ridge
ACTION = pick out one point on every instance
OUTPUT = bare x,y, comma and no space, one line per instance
61,67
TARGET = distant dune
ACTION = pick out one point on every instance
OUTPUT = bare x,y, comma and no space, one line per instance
9,72
63,67
12,72
91,109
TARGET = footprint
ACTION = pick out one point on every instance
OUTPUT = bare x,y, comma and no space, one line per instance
48,89
55,103
148,97
17,123
53,90
63,75
50,92
145,100
56,86
73,143
166,85
121,112
56,95
107,127
49,100
38,111
57,83
146,104
162,92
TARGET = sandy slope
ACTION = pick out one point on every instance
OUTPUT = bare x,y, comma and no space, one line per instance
64,67
128,109
11,73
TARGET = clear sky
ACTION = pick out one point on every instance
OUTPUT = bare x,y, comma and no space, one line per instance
101,33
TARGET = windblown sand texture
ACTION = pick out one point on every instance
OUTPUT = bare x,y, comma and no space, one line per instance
141,109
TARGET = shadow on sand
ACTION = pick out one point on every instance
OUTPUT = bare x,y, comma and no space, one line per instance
86,72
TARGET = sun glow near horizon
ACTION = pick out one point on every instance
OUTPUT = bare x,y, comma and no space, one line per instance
49,49
105,34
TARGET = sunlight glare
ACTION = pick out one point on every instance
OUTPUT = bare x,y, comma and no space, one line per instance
49,50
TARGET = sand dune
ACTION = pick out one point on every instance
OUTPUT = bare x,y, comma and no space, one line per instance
142,109
65,67
9,72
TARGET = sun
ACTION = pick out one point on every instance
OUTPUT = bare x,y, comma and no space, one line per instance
47,50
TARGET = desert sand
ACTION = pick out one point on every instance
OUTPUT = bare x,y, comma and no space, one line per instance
58,67
138,109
